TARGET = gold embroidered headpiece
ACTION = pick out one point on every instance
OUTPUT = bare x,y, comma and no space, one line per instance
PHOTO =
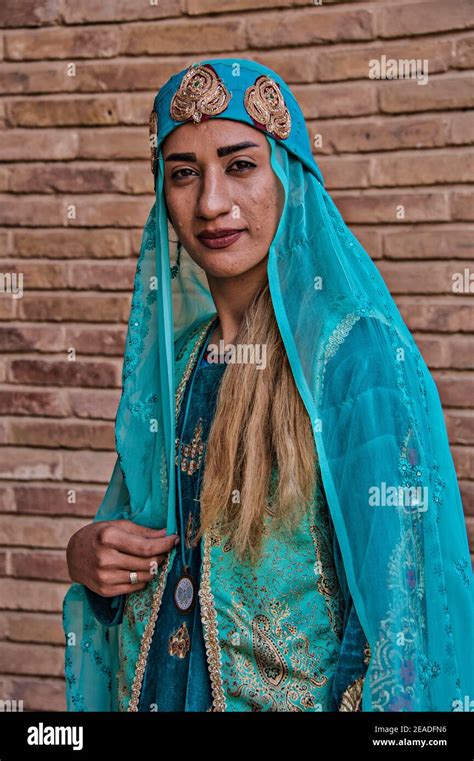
200,92
264,102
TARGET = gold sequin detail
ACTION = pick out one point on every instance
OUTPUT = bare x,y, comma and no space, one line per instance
145,644
210,630
153,138
179,642
191,454
200,92
264,102
352,697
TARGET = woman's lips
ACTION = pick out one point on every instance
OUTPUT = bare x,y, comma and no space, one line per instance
220,238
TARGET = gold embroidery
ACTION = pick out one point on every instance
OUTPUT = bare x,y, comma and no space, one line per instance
153,138
211,634
352,697
191,532
200,92
145,644
179,642
147,637
191,454
264,102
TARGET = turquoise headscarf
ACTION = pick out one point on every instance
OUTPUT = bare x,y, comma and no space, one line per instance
378,425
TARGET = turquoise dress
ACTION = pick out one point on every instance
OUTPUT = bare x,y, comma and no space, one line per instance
176,677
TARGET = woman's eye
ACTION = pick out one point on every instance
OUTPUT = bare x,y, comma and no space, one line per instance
181,174
241,165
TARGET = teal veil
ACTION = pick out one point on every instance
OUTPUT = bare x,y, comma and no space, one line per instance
378,425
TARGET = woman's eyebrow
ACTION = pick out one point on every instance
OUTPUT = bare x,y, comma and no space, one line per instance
225,150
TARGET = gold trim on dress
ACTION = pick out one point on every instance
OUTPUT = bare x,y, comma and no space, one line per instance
147,636
210,630
264,102
201,92
352,697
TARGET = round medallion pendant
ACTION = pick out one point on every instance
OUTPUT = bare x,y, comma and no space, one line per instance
185,593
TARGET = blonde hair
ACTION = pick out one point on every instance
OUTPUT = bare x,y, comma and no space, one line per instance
260,422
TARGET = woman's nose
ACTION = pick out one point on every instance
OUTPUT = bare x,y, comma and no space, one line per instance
214,198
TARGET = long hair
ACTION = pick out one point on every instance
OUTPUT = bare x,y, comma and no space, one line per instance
260,455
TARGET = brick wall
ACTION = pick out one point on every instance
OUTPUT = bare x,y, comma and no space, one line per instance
78,80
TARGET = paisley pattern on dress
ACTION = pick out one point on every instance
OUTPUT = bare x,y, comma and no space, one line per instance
276,647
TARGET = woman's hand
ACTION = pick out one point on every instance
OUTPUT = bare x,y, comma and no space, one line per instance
102,554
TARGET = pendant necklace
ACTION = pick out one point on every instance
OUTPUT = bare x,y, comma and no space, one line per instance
185,590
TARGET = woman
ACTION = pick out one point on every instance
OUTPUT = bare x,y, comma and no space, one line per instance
315,556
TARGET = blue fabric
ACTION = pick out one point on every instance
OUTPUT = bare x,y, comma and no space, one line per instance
172,683
375,413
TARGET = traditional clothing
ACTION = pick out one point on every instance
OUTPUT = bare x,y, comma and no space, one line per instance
369,603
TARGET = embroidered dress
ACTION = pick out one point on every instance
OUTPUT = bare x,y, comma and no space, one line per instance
282,619
402,561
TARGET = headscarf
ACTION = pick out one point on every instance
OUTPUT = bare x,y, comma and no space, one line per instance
374,409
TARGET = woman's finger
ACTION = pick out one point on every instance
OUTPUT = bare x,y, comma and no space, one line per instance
125,562
132,544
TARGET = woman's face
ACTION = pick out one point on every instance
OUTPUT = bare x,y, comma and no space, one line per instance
223,197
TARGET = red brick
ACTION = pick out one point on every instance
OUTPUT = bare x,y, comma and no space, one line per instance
353,63
62,42
61,372
196,7
421,277
31,627
405,20
17,337
460,424
421,168
90,467
40,564
102,276
95,210
36,693
29,13
382,206
33,531
308,27
33,402
345,172
82,307
77,244
419,242
456,352
184,36
39,596
387,133
94,404
439,93
54,145
25,464
68,434
464,461
94,340
455,389
20,658
437,313
120,10
464,52
55,499
322,101
462,206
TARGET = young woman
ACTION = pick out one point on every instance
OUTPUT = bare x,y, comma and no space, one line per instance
283,529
